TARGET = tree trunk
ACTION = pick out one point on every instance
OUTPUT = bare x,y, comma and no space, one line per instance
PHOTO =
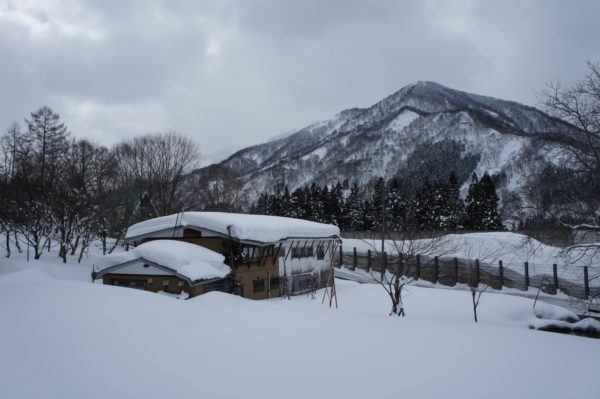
62,252
75,245
84,246
8,244
17,244
103,240
473,294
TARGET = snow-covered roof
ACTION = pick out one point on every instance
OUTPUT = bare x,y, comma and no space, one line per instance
190,260
261,228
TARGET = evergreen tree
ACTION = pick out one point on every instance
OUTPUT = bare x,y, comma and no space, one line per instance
352,214
333,205
452,212
262,204
286,203
474,205
482,205
396,206
378,204
299,203
490,217
423,203
366,222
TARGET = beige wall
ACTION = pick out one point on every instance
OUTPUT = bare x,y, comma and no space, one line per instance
245,274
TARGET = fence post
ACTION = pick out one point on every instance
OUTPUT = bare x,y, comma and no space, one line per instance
586,282
368,260
354,260
418,267
476,272
341,256
555,278
501,273
455,271
526,276
436,269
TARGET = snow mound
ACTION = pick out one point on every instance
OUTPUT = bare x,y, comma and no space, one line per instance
31,276
190,260
260,228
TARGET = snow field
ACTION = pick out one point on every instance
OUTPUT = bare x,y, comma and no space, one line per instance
63,338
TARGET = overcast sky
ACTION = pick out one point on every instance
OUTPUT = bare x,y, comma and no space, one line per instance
235,73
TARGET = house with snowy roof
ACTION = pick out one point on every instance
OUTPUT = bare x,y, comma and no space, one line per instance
255,256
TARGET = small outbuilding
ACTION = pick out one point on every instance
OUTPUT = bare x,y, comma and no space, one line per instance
267,256
166,265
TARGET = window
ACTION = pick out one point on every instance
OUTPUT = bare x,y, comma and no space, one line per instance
250,255
219,285
324,275
146,265
258,285
302,252
274,283
295,253
267,251
180,284
139,284
320,252
165,283
308,252
302,283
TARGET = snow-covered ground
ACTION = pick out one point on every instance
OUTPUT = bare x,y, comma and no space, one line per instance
63,337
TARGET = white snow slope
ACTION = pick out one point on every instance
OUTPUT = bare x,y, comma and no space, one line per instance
511,248
64,338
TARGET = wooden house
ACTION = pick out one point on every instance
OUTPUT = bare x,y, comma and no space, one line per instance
268,256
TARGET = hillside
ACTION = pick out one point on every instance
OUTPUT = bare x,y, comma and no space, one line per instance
422,131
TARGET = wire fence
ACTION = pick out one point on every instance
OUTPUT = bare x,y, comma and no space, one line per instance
580,282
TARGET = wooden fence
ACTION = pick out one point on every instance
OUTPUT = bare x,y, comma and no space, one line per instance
451,271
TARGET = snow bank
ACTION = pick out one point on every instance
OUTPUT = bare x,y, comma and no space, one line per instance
261,228
509,247
190,260
512,248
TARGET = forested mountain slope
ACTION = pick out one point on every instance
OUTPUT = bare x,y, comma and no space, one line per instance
423,131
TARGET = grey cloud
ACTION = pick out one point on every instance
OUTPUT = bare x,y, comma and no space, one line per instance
239,72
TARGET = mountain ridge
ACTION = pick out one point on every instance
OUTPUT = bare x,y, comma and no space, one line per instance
380,141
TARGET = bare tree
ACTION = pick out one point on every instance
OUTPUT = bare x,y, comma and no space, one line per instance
157,164
221,189
579,149
476,289
580,106
411,253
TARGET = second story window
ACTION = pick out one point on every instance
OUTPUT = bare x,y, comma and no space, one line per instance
250,254
302,252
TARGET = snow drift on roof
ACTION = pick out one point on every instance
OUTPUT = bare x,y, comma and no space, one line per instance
190,260
260,228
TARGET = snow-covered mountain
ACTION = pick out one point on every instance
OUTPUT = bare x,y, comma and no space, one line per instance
424,129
